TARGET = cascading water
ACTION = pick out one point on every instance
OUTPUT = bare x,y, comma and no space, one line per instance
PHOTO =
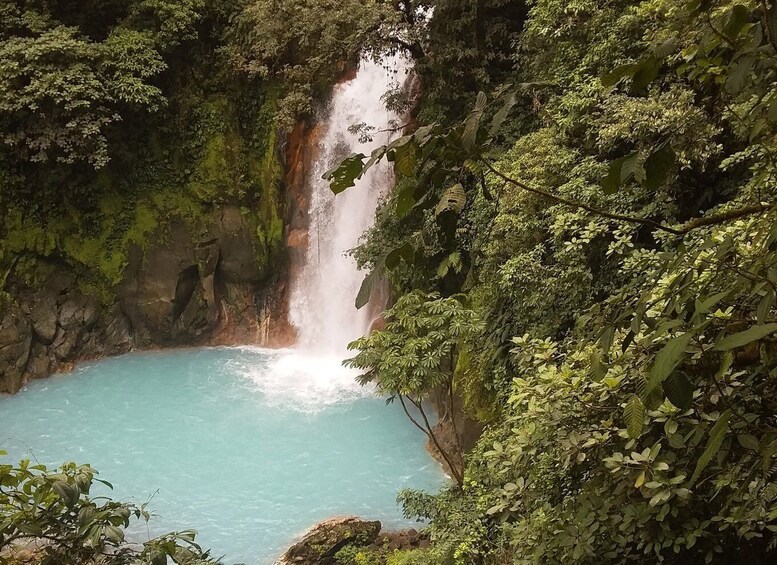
323,293
322,298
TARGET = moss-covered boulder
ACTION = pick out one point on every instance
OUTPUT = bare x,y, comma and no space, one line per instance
320,545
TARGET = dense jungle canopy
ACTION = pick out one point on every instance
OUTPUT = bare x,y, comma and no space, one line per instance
581,243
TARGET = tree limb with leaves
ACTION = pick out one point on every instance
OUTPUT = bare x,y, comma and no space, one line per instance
413,357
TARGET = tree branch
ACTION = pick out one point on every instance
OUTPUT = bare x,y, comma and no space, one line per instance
454,471
682,230
724,217
407,413
452,415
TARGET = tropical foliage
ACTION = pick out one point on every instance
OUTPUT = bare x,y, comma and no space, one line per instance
48,516
581,244
413,355
610,215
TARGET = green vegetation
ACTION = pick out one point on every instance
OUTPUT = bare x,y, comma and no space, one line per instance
120,123
581,243
414,355
608,211
54,507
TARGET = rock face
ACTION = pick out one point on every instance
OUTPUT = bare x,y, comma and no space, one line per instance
162,293
320,545
190,286
15,342
51,328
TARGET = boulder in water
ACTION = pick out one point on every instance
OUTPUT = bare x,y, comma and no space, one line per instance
320,545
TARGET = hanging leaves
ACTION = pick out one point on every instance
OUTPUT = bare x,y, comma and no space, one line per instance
651,172
621,171
472,123
634,415
368,284
641,74
667,360
743,338
449,208
679,390
403,253
658,166
502,114
453,200
715,440
404,157
344,174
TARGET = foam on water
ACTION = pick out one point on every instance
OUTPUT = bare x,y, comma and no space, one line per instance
245,445
302,381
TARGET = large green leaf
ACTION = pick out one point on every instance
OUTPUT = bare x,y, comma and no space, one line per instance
737,19
737,78
472,123
765,305
619,73
743,338
502,114
612,181
644,73
404,253
68,492
453,200
368,284
715,440
679,390
621,171
667,360
344,174
657,166
405,201
404,158
634,414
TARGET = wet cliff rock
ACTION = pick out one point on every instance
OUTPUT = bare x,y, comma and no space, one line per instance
192,285
15,342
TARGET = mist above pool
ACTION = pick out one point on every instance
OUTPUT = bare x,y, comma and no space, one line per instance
249,447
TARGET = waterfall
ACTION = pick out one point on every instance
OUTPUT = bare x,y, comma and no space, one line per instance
323,290
322,295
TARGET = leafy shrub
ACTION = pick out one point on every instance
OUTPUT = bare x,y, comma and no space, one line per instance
51,513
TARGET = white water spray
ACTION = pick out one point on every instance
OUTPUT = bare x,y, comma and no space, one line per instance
322,296
323,293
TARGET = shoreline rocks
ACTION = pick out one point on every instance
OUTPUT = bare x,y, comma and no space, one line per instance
321,544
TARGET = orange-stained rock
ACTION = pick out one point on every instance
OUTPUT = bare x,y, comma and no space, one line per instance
378,324
298,238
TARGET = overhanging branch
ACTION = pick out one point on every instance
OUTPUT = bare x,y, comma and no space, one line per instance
682,230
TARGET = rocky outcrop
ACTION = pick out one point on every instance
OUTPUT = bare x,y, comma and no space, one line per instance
401,540
50,329
163,293
15,343
210,284
320,545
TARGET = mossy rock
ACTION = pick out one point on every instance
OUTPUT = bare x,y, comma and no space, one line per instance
321,544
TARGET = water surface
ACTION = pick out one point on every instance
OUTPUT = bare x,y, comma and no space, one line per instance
247,446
